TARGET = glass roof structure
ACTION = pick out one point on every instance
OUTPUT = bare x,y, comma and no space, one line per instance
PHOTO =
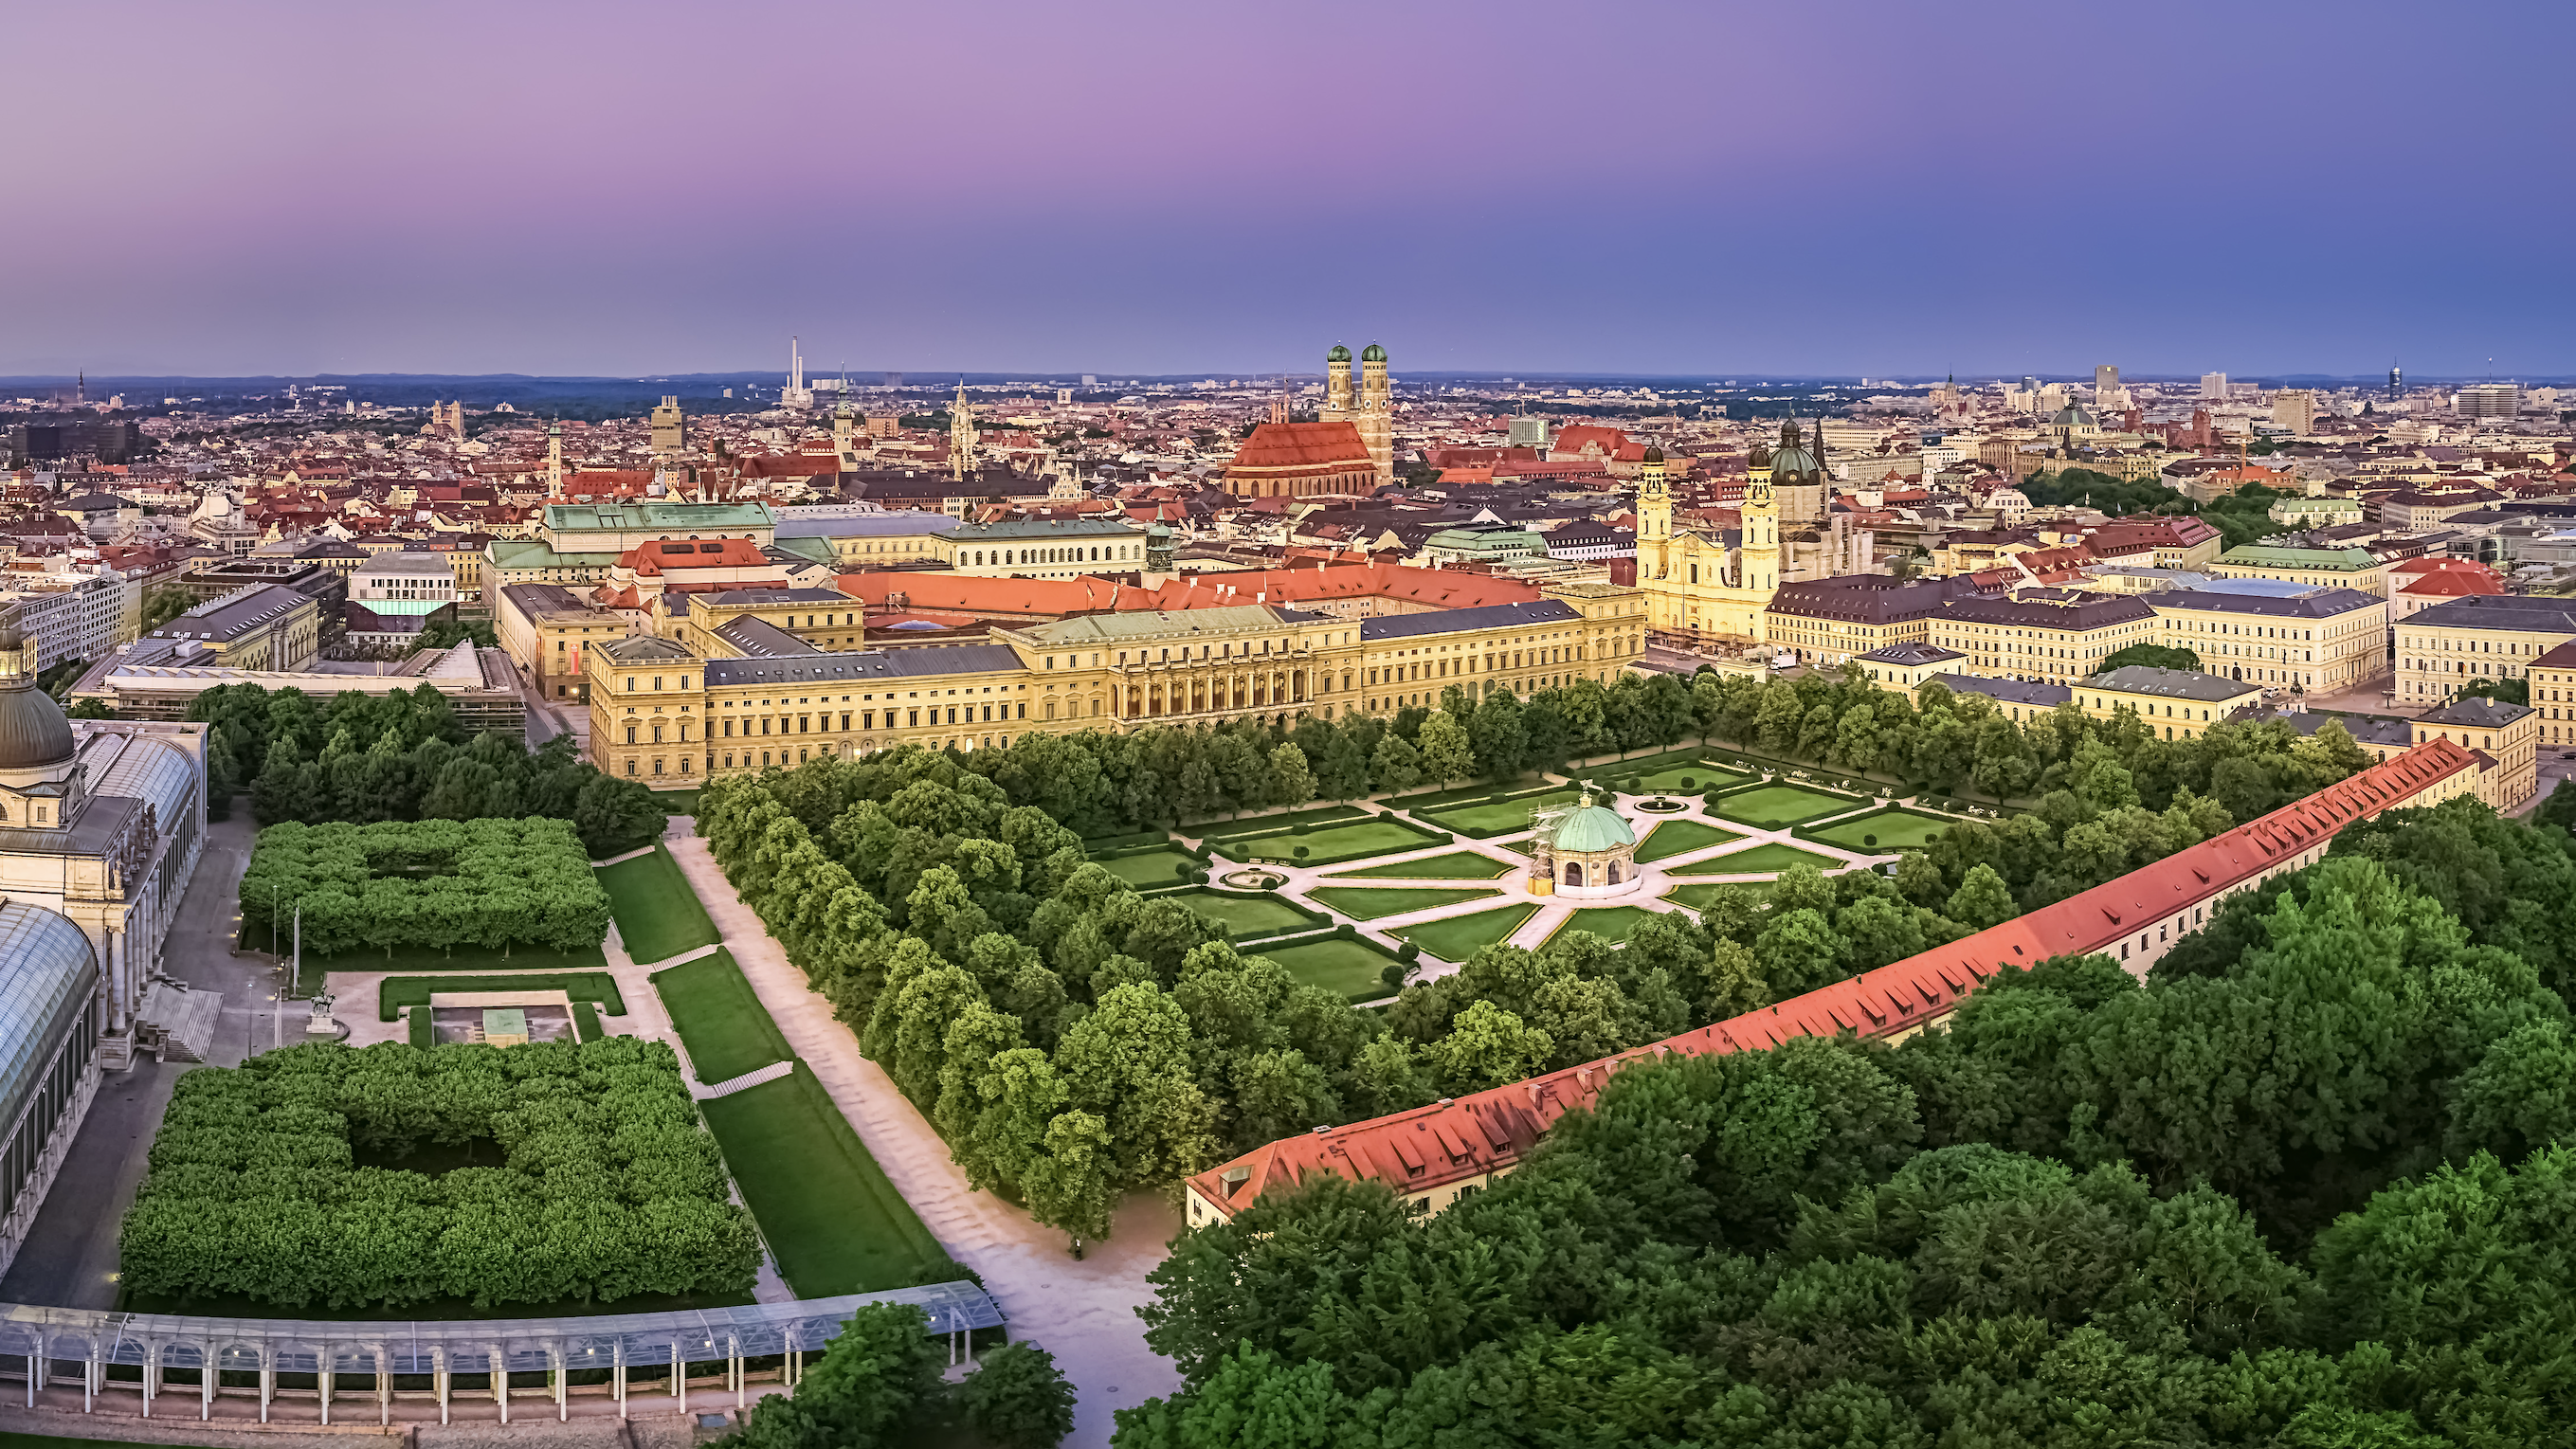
522,1345
47,974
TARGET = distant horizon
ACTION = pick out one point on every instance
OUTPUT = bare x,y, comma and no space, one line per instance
1642,189
871,379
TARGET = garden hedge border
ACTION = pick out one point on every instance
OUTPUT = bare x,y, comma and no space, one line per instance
1806,832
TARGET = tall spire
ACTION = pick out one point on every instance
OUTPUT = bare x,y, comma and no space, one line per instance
961,435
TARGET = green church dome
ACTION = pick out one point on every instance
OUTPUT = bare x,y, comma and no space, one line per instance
1590,827
1338,354
1374,353
2072,415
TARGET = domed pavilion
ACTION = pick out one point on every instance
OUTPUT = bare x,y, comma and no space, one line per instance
1588,852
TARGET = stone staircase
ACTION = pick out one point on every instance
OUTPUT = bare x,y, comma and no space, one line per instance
178,1022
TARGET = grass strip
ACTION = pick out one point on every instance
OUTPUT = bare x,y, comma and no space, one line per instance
1456,865
1367,903
1456,938
720,1018
828,1212
658,915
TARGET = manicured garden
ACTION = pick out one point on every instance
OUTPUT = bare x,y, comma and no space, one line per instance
1456,938
326,1177
1247,916
1769,856
1882,830
1327,844
1149,868
1680,837
720,1018
1698,896
1610,923
832,1219
1456,865
1503,817
1315,819
658,915
1691,778
1352,968
396,992
372,890
1368,903
1770,807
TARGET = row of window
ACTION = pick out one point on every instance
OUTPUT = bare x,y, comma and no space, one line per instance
804,724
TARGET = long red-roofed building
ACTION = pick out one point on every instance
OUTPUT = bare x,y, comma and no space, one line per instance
1432,1156
1302,460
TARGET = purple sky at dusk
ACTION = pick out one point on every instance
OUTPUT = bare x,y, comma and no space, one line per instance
1847,188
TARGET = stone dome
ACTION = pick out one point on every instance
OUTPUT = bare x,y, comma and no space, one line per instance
1654,455
33,730
1338,354
1590,827
1374,353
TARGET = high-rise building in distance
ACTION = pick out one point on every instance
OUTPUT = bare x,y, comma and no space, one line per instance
670,429
2489,400
2213,385
2396,383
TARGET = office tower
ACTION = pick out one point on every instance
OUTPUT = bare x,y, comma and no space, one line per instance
2396,383
2213,386
670,429
2296,410
2489,400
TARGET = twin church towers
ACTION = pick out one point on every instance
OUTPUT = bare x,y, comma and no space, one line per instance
1372,410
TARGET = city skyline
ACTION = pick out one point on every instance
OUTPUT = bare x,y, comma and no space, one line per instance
1154,190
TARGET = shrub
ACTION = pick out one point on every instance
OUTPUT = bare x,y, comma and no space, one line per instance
1688,782
1185,870
1869,842
252,1191
1408,953
1393,975
1301,852
432,883
1347,931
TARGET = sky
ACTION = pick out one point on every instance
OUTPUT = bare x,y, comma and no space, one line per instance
1837,187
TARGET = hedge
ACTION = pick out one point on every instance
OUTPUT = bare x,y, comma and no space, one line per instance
1134,847
428,883
607,1186
1104,846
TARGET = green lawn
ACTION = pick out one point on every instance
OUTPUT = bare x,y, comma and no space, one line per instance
1153,868
1895,830
1678,837
1248,915
1421,800
658,916
1367,903
1768,856
397,992
834,1222
1374,835
1702,777
721,1021
1455,938
678,802
1501,818
1349,967
1456,865
1697,897
1217,830
1773,806
408,960
1610,923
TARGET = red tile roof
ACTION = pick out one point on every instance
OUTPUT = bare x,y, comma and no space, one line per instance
1432,588
1302,445
1487,1132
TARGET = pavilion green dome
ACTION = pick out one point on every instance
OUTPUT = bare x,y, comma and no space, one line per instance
1590,827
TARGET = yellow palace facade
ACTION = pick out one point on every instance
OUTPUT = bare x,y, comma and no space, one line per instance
1692,582
753,695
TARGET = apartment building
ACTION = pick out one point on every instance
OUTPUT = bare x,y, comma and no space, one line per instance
2318,641
2443,649
2553,697
2182,703
2053,635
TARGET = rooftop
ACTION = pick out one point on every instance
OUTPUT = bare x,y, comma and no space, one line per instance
2172,684
863,667
2307,602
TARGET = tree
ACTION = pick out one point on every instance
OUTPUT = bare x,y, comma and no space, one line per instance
872,1378
2155,656
1488,1047
1446,753
1982,900
1018,1399
1396,766
1500,737
1291,783
166,603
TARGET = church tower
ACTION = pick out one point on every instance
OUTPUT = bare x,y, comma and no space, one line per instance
1376,416
1759,566
1337,385
1654,512
554,462
961,435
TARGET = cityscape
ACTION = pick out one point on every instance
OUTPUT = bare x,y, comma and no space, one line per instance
1696,779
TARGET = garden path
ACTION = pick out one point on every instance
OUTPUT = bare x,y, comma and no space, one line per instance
1082,1311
